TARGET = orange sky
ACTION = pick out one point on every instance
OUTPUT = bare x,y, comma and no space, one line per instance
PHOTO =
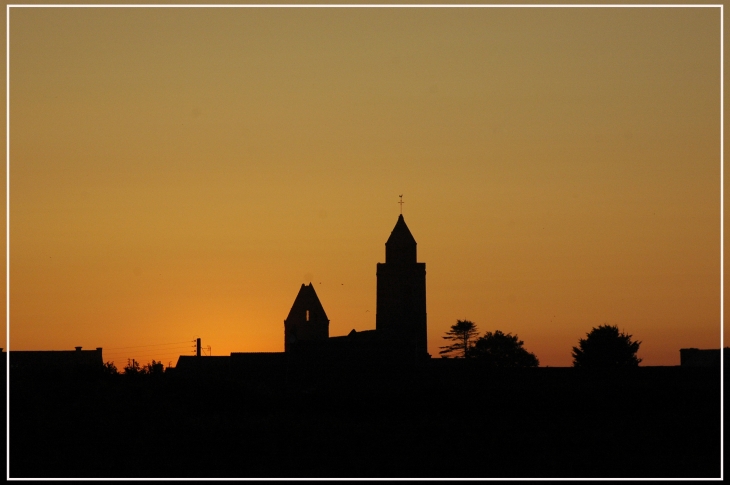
178,173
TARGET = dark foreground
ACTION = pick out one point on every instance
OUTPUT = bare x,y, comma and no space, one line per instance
434,422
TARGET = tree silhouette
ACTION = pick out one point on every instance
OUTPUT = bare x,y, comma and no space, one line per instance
605,346
132,368
154,368
503,350
463,332
110,369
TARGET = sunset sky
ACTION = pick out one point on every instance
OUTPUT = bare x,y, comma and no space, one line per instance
179,173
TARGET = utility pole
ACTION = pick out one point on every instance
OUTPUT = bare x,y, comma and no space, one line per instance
198,347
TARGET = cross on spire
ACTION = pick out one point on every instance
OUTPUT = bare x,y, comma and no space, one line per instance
401,203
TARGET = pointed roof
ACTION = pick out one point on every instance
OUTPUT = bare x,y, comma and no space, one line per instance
401,245
307,299
400,233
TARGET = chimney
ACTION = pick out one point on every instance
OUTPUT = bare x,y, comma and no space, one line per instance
78,349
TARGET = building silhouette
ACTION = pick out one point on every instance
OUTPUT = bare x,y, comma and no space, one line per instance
401,293
307,319
400,334
400,320
693,357
56,362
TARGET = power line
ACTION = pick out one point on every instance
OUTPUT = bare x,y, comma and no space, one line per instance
150,345
166,351
163,358
130,356
150,349
146,351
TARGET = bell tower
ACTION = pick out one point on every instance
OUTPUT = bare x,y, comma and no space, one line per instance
401,292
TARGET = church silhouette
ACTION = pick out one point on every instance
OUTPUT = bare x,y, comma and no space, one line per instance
401,304
400,334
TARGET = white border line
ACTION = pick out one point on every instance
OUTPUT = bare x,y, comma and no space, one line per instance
722,240
7,237
337,5
7,152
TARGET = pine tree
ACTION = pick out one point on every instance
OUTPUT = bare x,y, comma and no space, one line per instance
463,333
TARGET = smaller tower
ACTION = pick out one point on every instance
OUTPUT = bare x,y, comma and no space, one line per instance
307,319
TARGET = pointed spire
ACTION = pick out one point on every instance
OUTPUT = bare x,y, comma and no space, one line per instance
401,245
307,303
307,319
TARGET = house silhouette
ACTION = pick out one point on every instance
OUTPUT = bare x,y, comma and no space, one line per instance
56,362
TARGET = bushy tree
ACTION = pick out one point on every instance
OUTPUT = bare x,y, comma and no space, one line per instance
605,346
503,350
132,368
154,368
462,333
110,369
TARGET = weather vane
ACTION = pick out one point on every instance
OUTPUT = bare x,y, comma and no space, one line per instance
401,203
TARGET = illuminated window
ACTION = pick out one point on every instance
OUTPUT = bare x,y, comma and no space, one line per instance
307,315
